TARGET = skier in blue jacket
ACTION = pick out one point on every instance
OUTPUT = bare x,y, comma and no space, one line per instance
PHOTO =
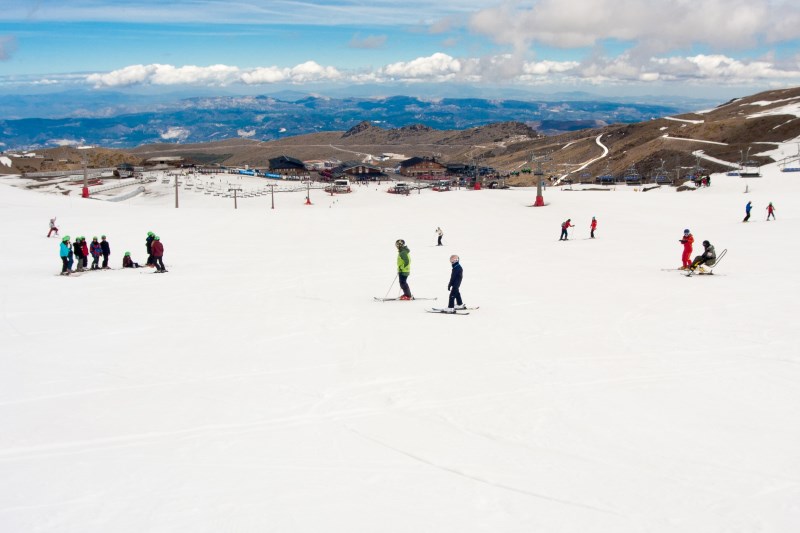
454,286
747,209
64,252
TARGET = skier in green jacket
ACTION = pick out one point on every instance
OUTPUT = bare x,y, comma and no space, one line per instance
403,268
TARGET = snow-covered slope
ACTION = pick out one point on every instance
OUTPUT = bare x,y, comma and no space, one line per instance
258,387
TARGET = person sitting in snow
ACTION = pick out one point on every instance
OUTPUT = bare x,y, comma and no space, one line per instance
708,258
127,262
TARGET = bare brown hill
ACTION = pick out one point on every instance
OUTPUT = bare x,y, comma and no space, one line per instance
726,132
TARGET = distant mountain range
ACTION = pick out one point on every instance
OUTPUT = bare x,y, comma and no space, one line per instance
124,121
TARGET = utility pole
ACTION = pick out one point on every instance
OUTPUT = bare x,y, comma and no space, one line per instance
85,191
235,190
176,191
272,194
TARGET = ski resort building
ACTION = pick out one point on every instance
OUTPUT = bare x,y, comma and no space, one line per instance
423,168
286,165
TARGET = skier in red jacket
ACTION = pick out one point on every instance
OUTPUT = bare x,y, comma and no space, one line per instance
564,227
687,242
593,226
158,254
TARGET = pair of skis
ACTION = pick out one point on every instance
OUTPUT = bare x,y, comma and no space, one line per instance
441,310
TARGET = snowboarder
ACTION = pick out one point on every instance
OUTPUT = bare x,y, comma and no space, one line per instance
84,252
708,257
78,249
770,211
403,268
439,234
456,275
149,246
158,254
687,242
127,262
96,250
747,209
106,251
564,227
53,227
593,226
65,249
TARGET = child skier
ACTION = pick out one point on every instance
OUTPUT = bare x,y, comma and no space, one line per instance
770,211
564,227
96,252
65,249
84,252
78,249
127,262
403,268
148,243
106,251
687,242
53,227
158,254
454,286
440,234
593,227
747,209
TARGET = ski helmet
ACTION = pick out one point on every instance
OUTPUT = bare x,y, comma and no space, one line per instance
102,236
94,238
706,244
399,243
65,239
150,234
127,254
686,231
157,238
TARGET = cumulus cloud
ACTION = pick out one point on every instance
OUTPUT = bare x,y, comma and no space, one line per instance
437,67
370,42
654,25
175,132
8,45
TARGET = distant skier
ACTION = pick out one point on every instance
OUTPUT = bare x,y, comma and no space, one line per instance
53,227
403,268
687,242
64,252
564,227
770,211
158,254
747,210
439,234
127,262
456,275
96,250
148,243
106,251
593,226
78,249
709,257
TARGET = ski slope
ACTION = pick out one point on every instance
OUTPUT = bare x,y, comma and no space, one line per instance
258,387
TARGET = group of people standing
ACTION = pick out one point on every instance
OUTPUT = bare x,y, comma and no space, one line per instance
77,253
456,275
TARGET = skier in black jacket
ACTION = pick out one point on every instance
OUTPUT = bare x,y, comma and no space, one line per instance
454,286
78,250
106,251
149,245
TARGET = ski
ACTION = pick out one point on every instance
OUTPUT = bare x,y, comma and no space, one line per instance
711,269
445,311
457,308
377,299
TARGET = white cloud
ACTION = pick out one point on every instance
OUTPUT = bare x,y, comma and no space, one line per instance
437,67
369,42
245,133
175,132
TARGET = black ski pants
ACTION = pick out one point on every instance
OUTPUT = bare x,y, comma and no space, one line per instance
404,284
159,262
455,297
105,260
64,264
439,241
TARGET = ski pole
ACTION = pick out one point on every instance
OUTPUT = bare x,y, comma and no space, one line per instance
390,286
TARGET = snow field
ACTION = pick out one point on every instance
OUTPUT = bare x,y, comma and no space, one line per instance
257,386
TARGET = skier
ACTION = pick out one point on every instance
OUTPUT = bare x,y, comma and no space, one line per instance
64,252
84,252
564,227
403,268
687,242
70,258
127,262
770,211
53,227
454,286
149,245
593,226
78,249
440,234
747,209
106,251
708,257
158,254
96,250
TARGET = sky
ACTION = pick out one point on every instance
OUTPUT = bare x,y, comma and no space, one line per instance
698,47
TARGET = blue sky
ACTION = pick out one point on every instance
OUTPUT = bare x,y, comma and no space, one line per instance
700,47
